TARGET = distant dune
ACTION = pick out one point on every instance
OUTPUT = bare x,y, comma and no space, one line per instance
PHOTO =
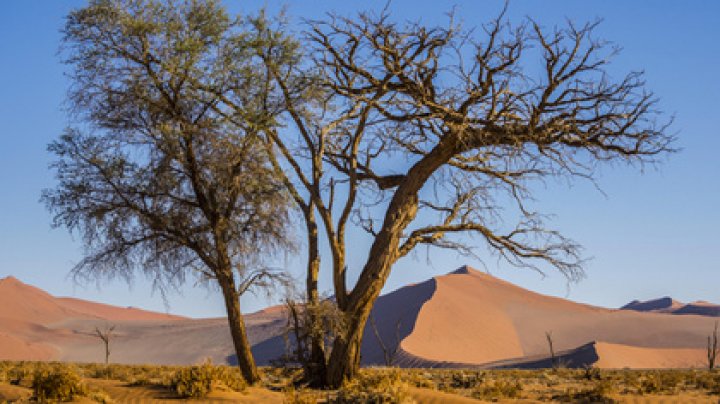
465,318
113,313
672,306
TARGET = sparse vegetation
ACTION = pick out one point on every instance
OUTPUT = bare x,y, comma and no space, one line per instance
497,390
599,393
57,384
199,381
374,386
59,381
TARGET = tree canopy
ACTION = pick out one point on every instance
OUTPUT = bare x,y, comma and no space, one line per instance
153,176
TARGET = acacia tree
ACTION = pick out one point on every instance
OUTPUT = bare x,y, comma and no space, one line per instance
417,134
155,177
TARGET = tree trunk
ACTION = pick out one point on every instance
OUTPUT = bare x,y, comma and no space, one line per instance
246,362
316,367
345,357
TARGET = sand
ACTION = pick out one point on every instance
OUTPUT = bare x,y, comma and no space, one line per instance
466,318
474,319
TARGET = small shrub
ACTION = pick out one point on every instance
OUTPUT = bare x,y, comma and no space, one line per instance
596,394
58,384
497,390
419,379
451,380
300,396
199,381
375,387
100,397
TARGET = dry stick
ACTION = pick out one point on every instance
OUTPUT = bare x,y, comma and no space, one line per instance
712,347
549,337
105,336
389,355
386,354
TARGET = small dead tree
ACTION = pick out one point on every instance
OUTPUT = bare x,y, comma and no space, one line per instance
105,335
388,353
712,347
551,346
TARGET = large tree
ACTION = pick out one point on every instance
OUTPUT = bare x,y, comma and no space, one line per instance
419,134
155,176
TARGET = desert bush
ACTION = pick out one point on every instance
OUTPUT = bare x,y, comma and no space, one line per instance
21,373
709,381
462,380
418,378
599,393
660,383
57,383
301,396
496,390
386,387
591,373
199,381
451,380
100,397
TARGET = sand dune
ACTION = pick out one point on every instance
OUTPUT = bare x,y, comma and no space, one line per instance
14,349
474,319
19,301
462,319
624,356
113,313
671,306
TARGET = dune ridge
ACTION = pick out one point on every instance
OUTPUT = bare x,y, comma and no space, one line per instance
465,318
672,306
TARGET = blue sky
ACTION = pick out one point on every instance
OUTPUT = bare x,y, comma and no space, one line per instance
654,233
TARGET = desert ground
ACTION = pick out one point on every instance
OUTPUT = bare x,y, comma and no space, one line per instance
460,337
26,381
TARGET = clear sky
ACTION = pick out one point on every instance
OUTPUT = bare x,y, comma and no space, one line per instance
653,234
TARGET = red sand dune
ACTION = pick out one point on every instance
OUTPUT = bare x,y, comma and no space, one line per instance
15,349
114,313
474,319
464,318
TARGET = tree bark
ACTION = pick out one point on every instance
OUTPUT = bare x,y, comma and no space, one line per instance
317,366
246,362
344,360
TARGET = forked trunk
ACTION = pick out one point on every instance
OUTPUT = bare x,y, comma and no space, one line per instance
245,359
345,357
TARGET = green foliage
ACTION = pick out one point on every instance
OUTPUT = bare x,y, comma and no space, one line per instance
60,383
199,381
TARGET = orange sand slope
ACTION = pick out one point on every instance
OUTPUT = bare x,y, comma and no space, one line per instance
474,319
464,318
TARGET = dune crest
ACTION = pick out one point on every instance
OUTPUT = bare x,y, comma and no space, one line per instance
671,306
465,318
